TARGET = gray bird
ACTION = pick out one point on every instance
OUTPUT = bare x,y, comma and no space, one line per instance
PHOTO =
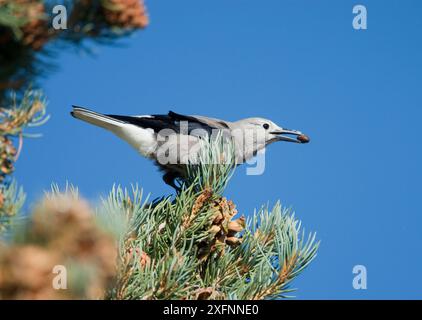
148,134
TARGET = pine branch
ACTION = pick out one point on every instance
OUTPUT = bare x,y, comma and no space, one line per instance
12,199
190,247
26,27
28,111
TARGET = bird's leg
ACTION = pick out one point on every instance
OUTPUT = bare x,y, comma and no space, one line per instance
170,179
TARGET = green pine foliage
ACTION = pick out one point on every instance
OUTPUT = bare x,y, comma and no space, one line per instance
25,112
162,243
13,199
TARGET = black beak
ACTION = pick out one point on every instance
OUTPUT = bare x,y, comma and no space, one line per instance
286,135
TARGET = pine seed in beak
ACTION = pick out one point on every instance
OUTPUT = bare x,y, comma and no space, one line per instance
303,138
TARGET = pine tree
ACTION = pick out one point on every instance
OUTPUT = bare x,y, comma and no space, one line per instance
195,246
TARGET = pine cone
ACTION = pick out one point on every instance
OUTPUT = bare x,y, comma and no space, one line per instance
68,225
62,232
1,200
204,293
223,230
7,157
125,13
136,253
35,31
26,273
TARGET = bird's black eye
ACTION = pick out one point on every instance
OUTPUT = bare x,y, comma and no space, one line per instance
266,126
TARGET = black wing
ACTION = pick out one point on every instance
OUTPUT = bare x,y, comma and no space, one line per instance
168,121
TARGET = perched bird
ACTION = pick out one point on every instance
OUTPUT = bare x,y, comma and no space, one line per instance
157,136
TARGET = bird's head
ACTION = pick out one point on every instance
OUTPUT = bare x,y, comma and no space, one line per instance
272,132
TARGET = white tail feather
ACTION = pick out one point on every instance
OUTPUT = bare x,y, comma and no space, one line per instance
142,139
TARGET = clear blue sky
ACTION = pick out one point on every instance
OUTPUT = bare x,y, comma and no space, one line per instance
356,93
